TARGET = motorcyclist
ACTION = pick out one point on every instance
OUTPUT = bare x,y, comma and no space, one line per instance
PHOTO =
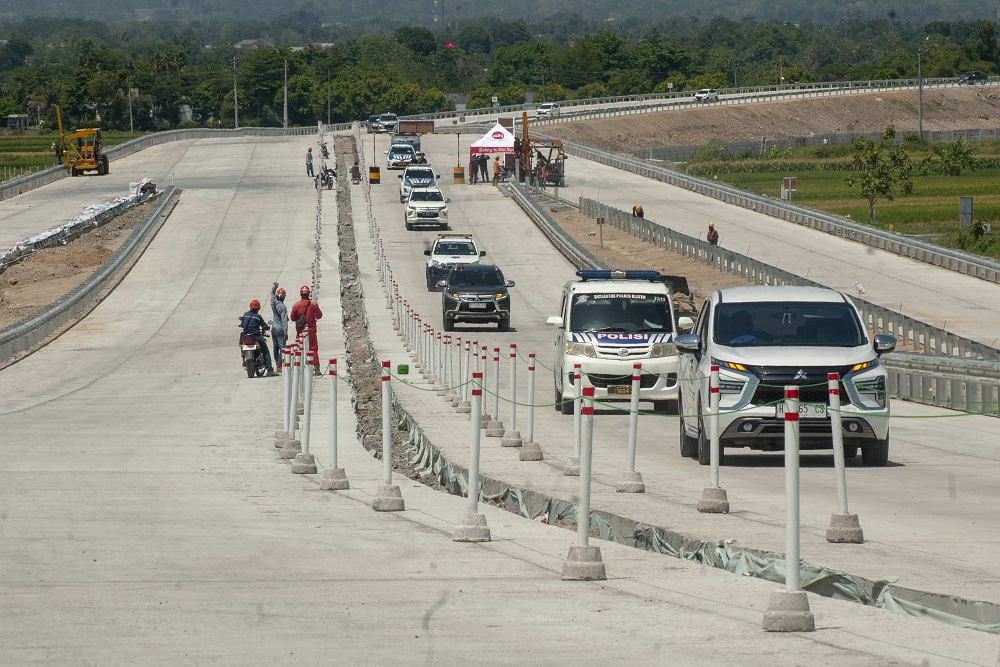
253,325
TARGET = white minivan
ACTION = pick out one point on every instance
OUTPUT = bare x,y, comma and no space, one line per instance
607,321
547,108
763,338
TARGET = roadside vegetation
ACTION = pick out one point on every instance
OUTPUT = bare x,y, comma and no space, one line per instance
939,173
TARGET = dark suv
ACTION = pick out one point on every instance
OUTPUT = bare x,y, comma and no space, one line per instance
973,77
475,293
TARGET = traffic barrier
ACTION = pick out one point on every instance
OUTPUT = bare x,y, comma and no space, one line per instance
472,524
387,498
482,366
584,561
511,436
572,467
530,451
464,406
495,428
305,463
335,478
459,175
844,526
291,447
788,608
631,481
714,499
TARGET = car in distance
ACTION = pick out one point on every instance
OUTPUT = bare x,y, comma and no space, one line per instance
973,78
707,95
400,155
763,338
416,176
387,122
475,293
372,124
426,207
548,108
447,251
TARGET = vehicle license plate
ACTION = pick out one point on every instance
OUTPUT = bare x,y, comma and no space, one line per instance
806,410
477,306
619,389
426,214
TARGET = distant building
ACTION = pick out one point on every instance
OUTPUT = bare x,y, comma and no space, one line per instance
251,44
18,121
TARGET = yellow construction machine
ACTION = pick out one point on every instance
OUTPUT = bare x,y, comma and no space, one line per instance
81,151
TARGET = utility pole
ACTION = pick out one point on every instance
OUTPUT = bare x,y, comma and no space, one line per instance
327,96
781,72
543,83
236,99
920,95
286,95
131,125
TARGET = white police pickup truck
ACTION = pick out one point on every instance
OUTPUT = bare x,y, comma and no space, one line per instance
609,320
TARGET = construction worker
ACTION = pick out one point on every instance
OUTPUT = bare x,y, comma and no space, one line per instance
304,314
496,170
637,211
713,236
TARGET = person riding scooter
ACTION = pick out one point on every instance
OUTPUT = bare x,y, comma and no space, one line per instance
253,325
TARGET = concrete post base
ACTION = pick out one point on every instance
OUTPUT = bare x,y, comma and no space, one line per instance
464,408
631,482
304,464
388,499
484,423
584,564
290,450
714,501
439,388
449,397
334,479
495,429
789,612
454,400
471,528
845,529
572,467
281,434
530,451
511,439
395,324
280,441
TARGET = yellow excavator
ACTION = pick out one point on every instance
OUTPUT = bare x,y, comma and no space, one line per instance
81,151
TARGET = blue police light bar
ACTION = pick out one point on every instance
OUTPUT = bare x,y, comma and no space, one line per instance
618,275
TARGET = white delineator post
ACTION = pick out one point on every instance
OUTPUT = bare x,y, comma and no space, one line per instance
291,447
511,436
387,498
472,524
530,451
631,481
495,428
286,382
463,406
714,499
305,463
335,478
844,527
584,561
788,608
482,366
572,466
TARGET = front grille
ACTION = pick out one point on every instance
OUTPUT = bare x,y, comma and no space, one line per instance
612,351
602,380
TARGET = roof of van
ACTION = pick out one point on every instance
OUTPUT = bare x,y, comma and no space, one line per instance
768,293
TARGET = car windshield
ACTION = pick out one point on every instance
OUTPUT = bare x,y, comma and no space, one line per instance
806,324
420,173
426,195
388,117
401,150
620,312
486,276
449,248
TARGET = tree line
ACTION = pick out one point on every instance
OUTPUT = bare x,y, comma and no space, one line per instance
149,76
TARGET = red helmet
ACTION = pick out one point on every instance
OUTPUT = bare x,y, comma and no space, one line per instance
310,149
280,293
255,305
305,291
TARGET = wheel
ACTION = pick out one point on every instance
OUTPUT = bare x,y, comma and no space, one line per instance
402,200
73,171
449,325
558,400
850,451
107,165
251,366
409,227
504,324
100,168
431,286
566,407
689,445
665,407
877,453
704,446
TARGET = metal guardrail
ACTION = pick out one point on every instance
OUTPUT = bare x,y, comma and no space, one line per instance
32,330
577,255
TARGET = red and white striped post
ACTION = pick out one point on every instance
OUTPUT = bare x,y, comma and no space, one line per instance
631,481
572,466
844,528
472,525
482,361
714,499
584,561
511,436
305,463
335,478
788,609
495,429
530,451
387,498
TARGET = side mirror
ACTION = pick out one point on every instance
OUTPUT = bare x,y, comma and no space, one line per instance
442,283
685,323
510,283
400,177
688,343
482,253
883,343
427,252
554,321
447,200
437,175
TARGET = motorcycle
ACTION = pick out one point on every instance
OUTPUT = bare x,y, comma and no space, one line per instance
326,178
253,356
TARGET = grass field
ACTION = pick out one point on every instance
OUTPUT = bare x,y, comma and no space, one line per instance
22,152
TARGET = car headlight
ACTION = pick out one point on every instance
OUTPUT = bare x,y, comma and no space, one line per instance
439,265
730,387
443,211
502,295
864,366
663,350
872,391
409,211
580,349
731,365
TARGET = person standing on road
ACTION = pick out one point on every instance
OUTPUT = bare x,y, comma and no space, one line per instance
713,236
484,170
496,169
309,161
304,314
279,324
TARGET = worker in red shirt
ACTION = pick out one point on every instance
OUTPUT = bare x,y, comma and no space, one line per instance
304,314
